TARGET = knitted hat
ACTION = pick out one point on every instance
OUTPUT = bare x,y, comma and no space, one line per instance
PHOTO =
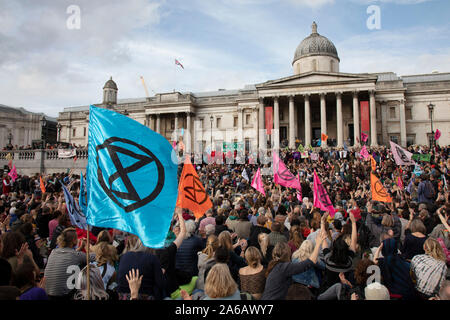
376,291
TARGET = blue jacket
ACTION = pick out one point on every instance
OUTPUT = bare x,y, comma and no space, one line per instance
187,258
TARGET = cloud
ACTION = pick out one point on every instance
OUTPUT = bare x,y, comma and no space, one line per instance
405,2
311,3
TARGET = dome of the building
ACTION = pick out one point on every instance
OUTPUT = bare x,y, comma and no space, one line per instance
110,84
315,45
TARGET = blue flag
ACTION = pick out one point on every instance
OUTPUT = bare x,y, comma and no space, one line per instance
319,143
131,177
77,217
345,147
82,196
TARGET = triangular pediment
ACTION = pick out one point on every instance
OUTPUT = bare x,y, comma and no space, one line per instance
318,77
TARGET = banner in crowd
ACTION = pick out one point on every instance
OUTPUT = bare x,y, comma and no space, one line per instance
76,215
400,183
343,154
421,157
437,135
82,196
314,156
364,153
304,154
245,175
364,137
281,174
417,170
321,198
379,193
132,177
191,193
13,173
232,146
300,148
67,153
257,182
365,120
41,185
269,120
402,157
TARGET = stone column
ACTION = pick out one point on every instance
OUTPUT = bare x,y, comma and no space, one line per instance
276,123
158,123
323,117
176,126
240,124
307,121
261,134
402,124
189,134
373,119
384,125
356,132
291,123
340,133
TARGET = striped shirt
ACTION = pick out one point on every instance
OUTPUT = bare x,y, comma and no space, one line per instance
430,273
57,272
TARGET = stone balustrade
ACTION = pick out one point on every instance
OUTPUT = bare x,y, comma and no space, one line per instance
30,162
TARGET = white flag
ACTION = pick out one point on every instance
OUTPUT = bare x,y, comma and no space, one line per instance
402,157
244,175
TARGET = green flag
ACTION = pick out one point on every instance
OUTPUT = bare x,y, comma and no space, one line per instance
421,157
300,148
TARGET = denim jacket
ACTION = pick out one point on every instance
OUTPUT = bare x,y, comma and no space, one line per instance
309,277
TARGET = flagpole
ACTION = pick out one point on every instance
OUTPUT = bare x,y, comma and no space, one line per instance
88,266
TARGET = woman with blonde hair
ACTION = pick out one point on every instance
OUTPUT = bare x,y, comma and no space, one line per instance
96,287
206,259
105,259
429,269
252,278
220,285
309,278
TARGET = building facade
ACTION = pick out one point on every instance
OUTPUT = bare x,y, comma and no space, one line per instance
316,99
19,128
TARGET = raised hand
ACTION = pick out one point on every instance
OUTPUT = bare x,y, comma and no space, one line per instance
134,282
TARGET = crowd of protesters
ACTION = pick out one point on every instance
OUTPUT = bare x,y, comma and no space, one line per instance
248,246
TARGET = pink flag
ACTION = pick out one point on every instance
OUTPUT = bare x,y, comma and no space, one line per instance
174,144
437,135
364,137
321,198
364,153
401,156
400,183
13,173
299,191
257,182
281,174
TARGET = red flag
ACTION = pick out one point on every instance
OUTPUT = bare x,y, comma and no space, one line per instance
437,135
269,120
324,137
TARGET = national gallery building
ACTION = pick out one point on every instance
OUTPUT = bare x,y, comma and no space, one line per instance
317,98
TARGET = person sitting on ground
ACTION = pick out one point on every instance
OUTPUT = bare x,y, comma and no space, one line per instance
252,278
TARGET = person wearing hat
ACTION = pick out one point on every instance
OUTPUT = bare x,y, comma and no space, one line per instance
376,291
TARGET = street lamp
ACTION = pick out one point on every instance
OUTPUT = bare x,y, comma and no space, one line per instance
59,126
44,125
10,136
431,108
211,118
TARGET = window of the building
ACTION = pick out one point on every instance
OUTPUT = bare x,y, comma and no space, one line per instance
172,124
201,122
394,138
218,122
74,132
247,119
410,139
314,65
247,144
408,113
84,132
235,122
392,112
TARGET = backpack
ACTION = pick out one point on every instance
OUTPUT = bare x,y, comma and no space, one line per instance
429,191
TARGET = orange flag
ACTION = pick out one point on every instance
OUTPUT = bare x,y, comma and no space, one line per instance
379,193
42,185
191,193
324,137
373,163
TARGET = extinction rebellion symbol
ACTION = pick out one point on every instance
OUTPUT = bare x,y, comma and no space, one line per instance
195,191
144,159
